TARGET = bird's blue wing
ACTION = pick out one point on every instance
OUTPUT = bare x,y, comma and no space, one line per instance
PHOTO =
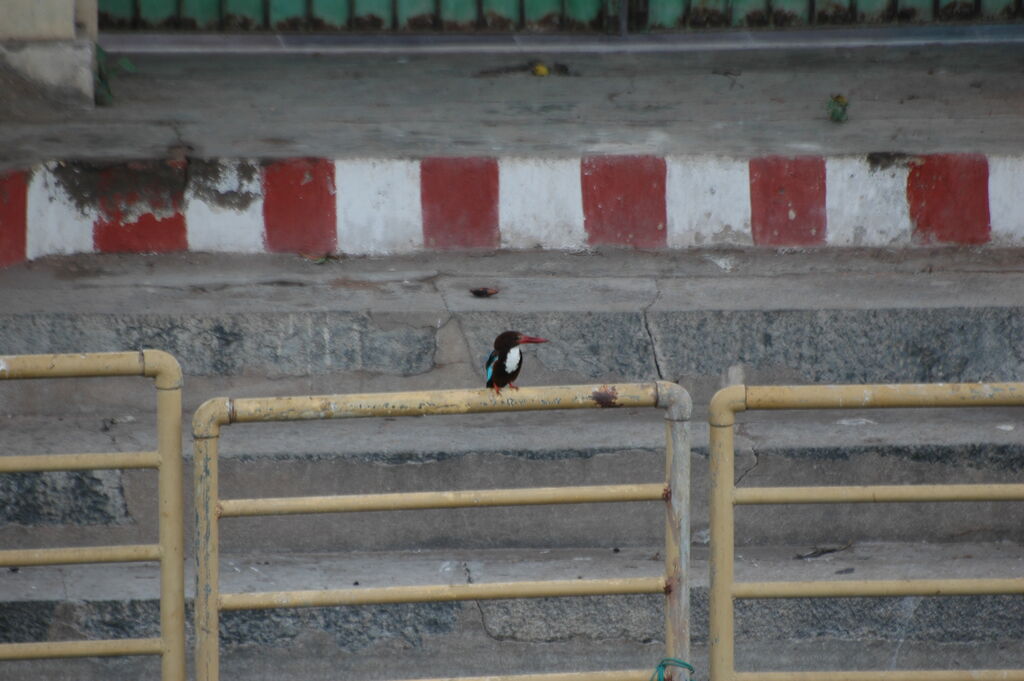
489,366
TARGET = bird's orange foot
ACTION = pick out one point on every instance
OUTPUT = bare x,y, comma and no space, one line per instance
513,386
497,390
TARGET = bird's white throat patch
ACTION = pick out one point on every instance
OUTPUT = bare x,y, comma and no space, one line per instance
512,360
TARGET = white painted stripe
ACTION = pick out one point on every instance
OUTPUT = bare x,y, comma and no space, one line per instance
379,207
708,201
866,205
224,210
55,224
540,204
1005,194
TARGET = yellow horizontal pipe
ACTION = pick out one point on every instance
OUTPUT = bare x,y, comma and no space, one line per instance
887,675
402,501
885,395
78,462
129,553
725,403
877,493
439,592
623,675
97,648
417,403
72,365
892,587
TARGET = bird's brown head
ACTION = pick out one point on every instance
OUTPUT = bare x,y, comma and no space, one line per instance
510,339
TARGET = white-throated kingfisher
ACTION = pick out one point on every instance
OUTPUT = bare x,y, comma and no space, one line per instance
506,359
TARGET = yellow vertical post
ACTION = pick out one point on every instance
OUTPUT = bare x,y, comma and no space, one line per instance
167,372
722,417
678,409
207,541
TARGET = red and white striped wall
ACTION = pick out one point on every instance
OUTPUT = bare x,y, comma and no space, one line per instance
384,206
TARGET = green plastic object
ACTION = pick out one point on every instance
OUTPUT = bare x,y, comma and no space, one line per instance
458,15
790,12
200,14
243,14
583,14
914,11
542,15
416,15
665,13
750,13
833,12
836,108
874,11
287,15
501,15
117,13
997,9
372,15
330,15
157,13
708,13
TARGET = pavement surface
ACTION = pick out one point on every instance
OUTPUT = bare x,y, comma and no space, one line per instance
739,96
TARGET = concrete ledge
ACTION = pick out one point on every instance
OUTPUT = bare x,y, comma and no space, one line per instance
38,20
547,634
507,451
382,206
61,70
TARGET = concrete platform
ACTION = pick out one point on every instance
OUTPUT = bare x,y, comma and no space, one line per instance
508,451
912,98
802,317
366,325
546,634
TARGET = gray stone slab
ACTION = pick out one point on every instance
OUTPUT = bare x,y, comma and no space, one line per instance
578,447
570,633
549,294
913,99
843,290
845,346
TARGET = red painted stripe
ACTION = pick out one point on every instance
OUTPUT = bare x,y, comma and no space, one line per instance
13,217
299,209
948,197
787,201
624,201
460,202
140,208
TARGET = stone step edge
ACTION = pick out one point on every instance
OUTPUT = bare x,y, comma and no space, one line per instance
269,571
377,206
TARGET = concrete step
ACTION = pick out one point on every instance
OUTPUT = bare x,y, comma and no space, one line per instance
551,634
247,325
527,450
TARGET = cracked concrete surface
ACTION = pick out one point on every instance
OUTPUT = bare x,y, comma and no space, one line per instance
924,99
377,324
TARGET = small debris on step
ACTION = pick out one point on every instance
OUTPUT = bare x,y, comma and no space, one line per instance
534,67
318,259
819,551
836,108
484,292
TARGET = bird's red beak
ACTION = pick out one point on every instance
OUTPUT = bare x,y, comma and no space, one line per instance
532,339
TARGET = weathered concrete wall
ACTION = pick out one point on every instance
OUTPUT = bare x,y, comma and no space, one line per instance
51,44
398,206
38,20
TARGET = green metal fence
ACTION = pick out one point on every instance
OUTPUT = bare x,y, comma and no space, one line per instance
533,15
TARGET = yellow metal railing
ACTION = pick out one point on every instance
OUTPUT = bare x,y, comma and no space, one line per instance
675,492
724,496
164,369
